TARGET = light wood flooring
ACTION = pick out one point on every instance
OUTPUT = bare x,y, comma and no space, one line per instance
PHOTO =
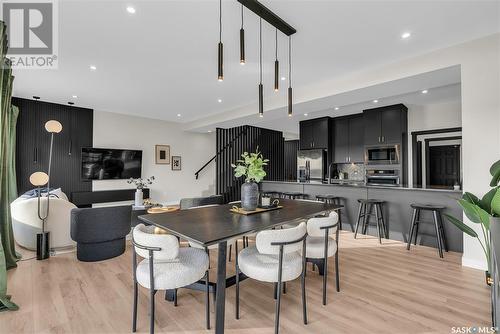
384,289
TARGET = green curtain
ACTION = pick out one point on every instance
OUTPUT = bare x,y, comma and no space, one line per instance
8,191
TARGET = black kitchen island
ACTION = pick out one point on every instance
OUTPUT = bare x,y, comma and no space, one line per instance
396,209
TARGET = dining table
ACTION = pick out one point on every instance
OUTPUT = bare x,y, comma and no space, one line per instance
217,224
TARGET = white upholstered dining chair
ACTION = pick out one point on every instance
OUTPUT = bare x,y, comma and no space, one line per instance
165,266
277,257
320,245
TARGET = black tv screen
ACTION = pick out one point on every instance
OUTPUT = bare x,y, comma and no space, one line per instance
107,164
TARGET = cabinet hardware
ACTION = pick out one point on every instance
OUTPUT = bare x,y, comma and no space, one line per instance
70,146
35,155
383,139
379,139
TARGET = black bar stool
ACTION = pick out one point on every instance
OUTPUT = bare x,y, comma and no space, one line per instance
438,225
365,211
332,199
294,195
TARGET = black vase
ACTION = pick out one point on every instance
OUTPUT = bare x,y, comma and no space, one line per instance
249,196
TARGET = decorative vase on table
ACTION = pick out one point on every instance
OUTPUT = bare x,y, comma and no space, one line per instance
249,196
251,166
139,197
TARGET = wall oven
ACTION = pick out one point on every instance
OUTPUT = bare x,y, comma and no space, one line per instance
382,155
382,177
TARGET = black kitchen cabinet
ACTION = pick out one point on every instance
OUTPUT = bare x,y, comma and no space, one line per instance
341,141
356,139
314,133
385,125
349,139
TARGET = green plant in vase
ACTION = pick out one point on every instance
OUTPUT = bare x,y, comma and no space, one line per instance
484,212
251,166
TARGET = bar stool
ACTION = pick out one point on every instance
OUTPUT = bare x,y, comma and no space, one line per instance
332,199
438,225
294,195
366,211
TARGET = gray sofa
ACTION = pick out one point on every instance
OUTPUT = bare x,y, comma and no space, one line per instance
100,232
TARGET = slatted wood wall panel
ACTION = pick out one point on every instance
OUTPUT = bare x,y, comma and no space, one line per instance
231,143
33,143
291,148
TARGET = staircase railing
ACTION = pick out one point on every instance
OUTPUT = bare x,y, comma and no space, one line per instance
228,145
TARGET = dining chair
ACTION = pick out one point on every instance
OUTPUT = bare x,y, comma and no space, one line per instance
165,266
320,245
277,257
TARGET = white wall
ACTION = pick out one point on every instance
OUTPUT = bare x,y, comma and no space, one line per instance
121,131
431,117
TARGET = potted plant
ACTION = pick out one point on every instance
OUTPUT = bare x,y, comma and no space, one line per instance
484,211
251,166
140,184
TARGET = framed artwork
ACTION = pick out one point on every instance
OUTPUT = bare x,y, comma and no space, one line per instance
176,162
162,154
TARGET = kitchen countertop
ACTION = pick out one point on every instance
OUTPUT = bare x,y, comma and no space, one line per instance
360,184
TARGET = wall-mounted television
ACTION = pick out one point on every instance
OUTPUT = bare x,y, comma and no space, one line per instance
108,164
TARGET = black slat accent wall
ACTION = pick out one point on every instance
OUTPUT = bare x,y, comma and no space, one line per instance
231,143
291,148
33,143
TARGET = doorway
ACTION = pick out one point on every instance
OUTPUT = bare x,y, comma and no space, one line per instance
443,167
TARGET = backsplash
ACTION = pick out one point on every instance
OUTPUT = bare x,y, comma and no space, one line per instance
356,172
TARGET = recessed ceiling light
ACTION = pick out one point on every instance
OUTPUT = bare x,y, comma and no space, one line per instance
209,131
283,78
306,114
36,97
71,103
178,115
375,101
131,10
425,91
75,96
336,108
405,35
219,100
93,67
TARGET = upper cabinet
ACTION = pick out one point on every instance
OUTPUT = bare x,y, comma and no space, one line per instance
385,125
314,133
349,139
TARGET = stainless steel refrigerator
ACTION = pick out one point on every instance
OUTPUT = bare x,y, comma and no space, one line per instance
311,165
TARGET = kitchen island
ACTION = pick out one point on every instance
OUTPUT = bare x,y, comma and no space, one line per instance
396,209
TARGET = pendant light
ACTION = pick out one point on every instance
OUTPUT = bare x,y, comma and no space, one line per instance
276,66
220,71
261,87
242,40
289,76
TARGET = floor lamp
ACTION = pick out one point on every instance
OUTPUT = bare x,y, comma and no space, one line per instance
39,179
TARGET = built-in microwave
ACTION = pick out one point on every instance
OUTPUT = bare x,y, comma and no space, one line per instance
382,155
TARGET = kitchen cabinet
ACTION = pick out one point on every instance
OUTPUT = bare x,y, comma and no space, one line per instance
349,139
314,133
385,125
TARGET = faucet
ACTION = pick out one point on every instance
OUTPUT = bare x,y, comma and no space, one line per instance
330,172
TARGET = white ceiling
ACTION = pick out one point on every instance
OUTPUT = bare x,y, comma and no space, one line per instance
161,61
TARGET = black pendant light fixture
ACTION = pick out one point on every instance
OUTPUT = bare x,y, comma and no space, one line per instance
276,66
242,40
220,55
261,87
289,76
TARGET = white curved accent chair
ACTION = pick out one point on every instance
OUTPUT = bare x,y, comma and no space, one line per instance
165,266
26,224
278,256
320,245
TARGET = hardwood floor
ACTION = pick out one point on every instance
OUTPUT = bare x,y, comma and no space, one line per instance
384,289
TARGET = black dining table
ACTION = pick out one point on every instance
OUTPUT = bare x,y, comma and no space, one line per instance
217,224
